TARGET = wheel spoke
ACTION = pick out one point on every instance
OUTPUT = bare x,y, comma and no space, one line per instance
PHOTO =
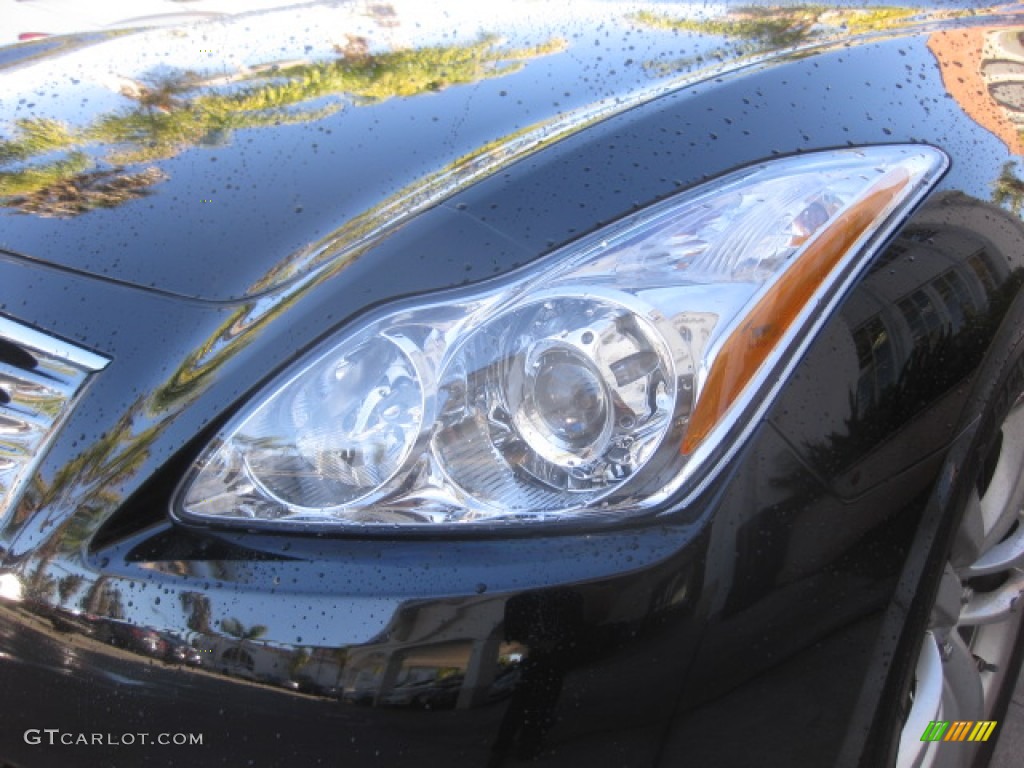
1003,496
948,601
963,692
1005,555
926,707
995,606
970,539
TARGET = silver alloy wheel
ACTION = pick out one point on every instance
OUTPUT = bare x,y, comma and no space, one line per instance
977,615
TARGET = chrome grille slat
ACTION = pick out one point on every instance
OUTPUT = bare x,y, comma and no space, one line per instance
50,379
33,395
53,349
14,423
39,379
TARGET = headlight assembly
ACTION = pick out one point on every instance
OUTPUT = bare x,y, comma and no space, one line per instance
590,385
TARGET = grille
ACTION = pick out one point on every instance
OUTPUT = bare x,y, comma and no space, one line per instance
39,379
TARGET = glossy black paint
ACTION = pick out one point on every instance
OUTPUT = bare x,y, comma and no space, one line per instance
764,608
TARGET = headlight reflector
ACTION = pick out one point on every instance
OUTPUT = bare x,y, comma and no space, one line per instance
569,396
337,431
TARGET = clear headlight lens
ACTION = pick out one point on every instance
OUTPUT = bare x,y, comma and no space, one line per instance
592,384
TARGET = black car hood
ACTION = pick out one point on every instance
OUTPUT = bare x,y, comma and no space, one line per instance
225,159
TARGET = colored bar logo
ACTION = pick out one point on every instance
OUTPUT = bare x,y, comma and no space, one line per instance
958,730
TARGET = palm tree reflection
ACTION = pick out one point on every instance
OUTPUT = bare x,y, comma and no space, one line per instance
71,194
754,30
175,111
1008,189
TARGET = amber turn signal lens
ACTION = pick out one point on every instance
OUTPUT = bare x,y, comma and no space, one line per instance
746,349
